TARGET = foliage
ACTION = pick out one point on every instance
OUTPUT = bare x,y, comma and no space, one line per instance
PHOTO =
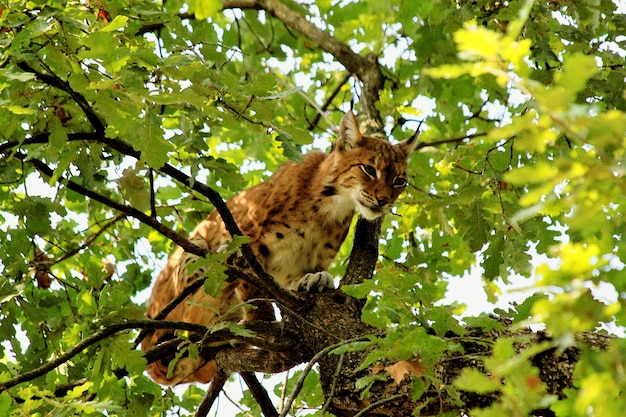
523,152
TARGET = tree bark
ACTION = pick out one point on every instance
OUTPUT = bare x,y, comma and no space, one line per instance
334,316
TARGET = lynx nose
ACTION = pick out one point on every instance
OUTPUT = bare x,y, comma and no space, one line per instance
382,201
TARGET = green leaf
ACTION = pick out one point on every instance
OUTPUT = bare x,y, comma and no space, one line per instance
135,189
5,400
224,172
473,380
493,257
475,226
289,149
524,310
13,73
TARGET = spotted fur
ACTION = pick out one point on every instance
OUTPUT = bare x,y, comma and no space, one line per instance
296,221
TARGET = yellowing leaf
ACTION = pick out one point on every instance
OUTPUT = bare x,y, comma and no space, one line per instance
477,42
204,9
538,173
444,167
117,23
515,52
19,109
449,71
577,69
578,259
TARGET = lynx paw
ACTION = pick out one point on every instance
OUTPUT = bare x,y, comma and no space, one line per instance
316,282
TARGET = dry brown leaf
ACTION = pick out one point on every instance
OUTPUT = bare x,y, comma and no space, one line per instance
399,369
378,368
41,266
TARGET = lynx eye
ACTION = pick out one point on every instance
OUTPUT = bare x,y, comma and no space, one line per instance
369,170
399,182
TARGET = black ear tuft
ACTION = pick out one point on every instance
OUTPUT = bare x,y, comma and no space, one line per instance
407,146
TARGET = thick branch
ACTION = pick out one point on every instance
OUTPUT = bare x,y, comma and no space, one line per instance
260,394
341,51
239,360
212,393
364,253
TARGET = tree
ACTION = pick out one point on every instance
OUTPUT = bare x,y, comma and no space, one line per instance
124,123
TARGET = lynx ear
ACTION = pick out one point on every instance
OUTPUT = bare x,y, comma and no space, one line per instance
407,146
349,134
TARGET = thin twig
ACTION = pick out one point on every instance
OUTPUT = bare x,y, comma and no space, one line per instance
450,140
307,369
90,239
237,405
322,110
377,404
333,387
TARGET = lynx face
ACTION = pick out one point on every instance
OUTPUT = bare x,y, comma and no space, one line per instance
372,172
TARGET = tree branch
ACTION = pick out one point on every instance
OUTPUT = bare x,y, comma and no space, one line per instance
114,328
457,139
260,394
364,253
130,211
217,383
90,239
110,330
55,81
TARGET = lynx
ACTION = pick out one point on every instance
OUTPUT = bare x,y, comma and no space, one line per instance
296,221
